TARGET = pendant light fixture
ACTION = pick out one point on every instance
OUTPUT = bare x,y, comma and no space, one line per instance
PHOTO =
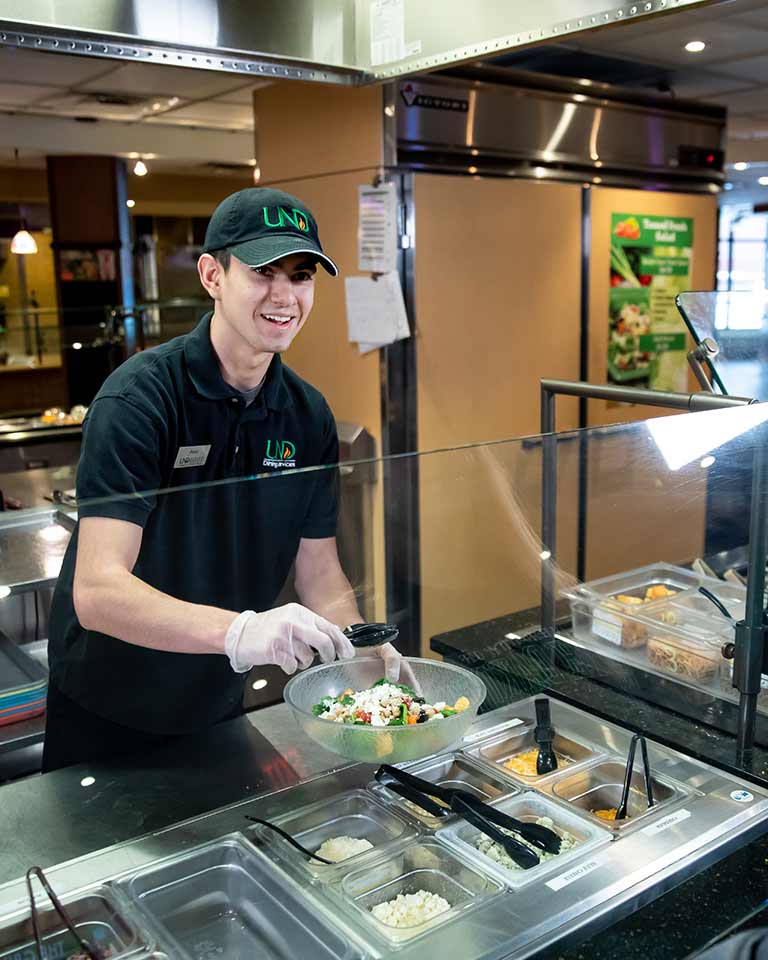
23,242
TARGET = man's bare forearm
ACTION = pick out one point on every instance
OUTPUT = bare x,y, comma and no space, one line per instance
330,595
123,606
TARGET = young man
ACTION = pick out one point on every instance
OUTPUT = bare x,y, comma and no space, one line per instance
147,640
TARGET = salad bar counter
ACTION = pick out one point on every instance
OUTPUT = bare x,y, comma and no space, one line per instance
399,879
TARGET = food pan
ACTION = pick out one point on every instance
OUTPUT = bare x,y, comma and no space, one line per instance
513,754
355,813
426,866
224,899
600,787
449,770
580,836
97,917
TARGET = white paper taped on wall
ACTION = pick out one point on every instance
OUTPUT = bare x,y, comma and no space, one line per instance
377,229
376,313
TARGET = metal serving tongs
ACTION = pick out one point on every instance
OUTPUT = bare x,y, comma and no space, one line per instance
621,810
481,815
87,949
292,840
371,634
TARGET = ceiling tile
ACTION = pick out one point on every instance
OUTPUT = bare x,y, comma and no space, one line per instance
244,95
745,102
23,94
703,84
56,69
725,41
753,69
153,80
228,116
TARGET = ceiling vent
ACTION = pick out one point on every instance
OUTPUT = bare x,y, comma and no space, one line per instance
116,99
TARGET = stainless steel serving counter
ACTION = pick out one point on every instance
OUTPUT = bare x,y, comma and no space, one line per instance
210,784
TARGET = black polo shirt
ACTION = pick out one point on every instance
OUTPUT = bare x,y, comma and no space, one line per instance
165,420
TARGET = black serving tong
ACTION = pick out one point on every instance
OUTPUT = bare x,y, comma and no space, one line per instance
371,634
480,814
286,836
718,603
621,810
87,949
544,734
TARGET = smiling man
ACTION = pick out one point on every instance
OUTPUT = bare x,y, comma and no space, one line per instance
166,600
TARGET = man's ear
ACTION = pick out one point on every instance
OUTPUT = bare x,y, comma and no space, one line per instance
210,272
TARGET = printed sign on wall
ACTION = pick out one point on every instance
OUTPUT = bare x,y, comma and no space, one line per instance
650,264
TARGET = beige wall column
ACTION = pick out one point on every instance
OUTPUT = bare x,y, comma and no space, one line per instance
320,143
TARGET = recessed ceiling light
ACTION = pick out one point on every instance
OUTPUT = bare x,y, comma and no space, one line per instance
140,169
130,203
740,165
259,684
695,46
727,186
763,181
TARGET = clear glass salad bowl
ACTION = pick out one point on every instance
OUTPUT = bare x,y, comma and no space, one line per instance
438,681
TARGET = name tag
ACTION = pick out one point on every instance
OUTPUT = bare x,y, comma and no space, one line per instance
191,456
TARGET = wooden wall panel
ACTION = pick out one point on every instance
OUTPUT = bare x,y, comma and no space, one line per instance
322,353
497,308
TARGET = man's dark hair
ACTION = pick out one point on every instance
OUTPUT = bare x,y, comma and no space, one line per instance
223,257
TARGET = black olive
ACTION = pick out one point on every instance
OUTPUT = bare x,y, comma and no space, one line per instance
422,718
419,700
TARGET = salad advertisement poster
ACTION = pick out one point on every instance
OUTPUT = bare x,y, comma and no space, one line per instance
650,264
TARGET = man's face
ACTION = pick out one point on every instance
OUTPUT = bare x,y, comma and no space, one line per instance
267,306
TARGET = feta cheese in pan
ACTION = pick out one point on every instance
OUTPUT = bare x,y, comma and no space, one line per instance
410,909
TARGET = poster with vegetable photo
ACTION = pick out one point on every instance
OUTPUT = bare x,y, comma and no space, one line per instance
650,265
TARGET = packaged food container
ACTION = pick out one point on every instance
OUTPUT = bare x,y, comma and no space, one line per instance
224,899
428,867
578,836
610,609
450,770
97,917
354,814
685,644
513,754
600,787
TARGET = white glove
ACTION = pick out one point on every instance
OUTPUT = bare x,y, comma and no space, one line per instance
287,636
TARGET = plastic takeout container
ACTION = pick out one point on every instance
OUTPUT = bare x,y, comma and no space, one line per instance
687,645
438,682
224,899
427,866
612,610
528,807
355,813
97,917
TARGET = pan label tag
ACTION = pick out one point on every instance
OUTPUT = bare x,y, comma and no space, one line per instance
742,796
557,883
669,821
489,731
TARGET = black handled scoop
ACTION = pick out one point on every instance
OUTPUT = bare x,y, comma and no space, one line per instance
371,634
544,734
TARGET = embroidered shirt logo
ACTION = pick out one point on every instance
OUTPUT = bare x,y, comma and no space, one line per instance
191,456
280,453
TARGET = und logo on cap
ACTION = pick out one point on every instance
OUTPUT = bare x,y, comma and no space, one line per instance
276,217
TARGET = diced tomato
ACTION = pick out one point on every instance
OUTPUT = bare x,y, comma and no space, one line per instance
645,279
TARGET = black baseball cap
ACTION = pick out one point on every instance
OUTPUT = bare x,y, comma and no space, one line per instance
258,225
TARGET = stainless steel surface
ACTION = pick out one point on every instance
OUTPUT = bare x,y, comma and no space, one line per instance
713,812
325,40
452,122
298,39
32,547
500,750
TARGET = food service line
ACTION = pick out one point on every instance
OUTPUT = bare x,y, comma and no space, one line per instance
700,813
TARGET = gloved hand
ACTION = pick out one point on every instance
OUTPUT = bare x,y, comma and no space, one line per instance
396,670
287,636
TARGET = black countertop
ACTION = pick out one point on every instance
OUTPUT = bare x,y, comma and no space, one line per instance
729,895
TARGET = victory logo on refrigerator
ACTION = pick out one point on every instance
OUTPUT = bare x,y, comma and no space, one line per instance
280,453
